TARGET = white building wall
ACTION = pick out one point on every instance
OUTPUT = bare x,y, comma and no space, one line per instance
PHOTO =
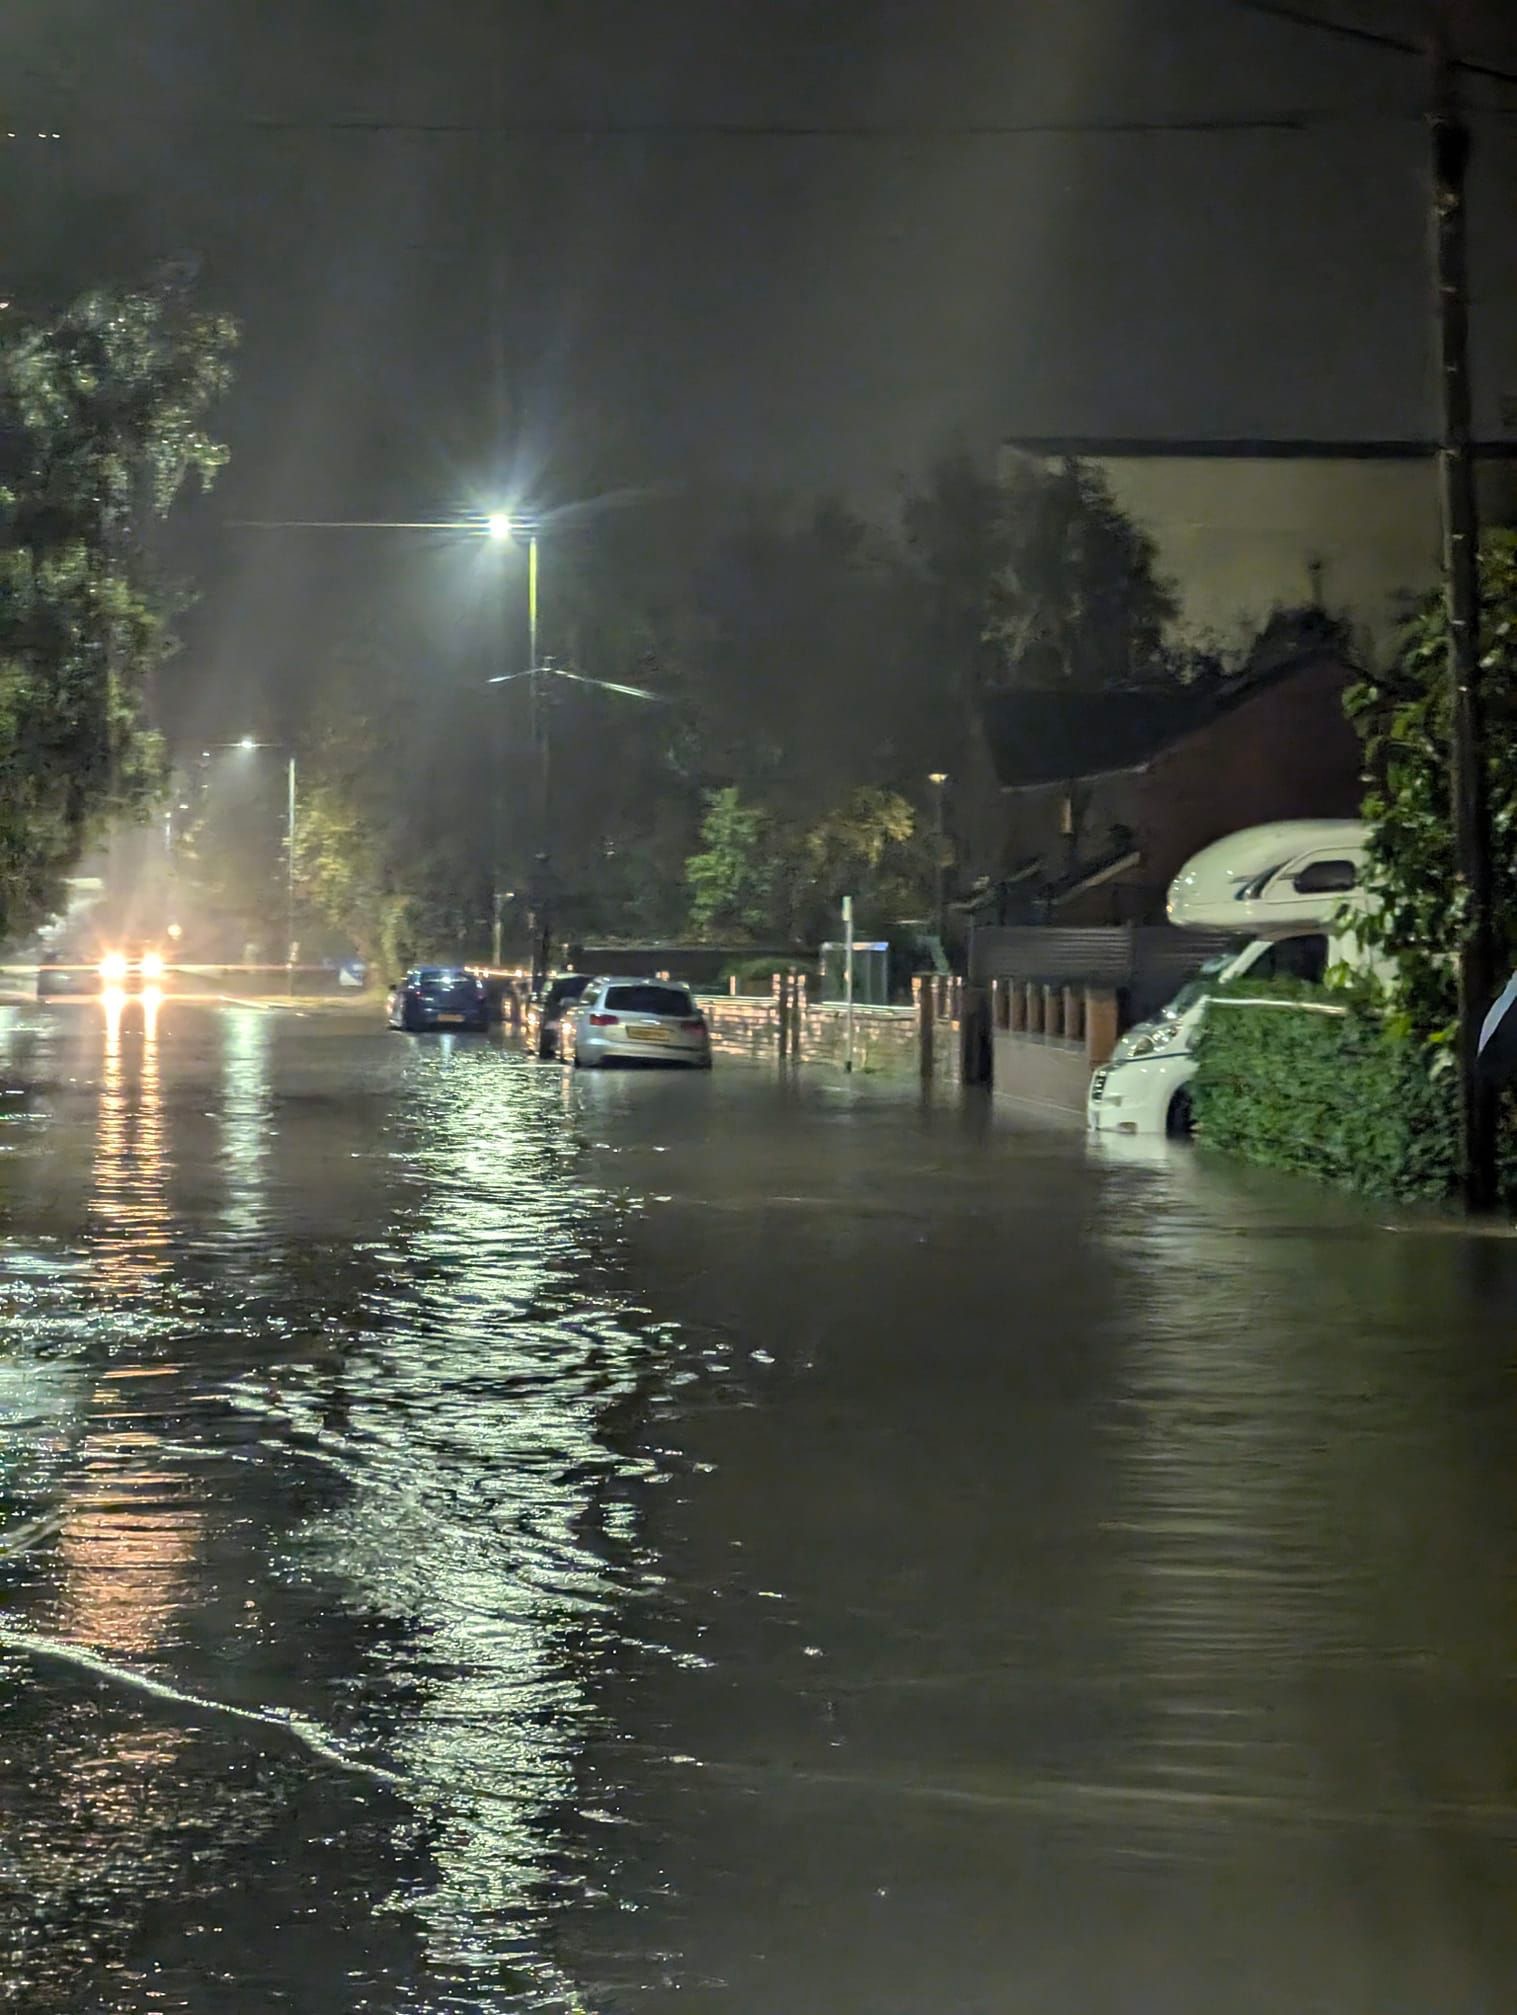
1241,535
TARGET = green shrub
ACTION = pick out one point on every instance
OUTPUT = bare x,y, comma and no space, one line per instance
1339,1096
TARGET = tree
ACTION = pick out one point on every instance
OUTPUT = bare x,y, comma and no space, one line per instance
868,847
733,881
366,852
1402,716
1077,600
102,416
761,878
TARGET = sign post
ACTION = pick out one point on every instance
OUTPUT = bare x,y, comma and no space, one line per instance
848,982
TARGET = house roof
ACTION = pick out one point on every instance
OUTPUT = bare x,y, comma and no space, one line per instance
1116,447
1042,735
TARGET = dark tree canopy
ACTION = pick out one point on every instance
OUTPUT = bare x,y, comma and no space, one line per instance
102,414
1402,715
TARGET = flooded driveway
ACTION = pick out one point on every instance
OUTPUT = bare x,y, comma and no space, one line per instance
479,1538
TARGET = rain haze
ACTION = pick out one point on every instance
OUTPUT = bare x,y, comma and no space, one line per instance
756,1155
799,244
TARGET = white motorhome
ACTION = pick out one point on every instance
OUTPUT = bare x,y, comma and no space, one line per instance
1291,890
1271,880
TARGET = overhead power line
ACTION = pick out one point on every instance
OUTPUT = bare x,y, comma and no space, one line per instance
1349,31
1300,120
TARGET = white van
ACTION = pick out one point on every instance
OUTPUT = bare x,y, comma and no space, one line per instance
1296,885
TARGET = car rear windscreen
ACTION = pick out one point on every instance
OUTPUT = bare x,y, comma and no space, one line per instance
649,1000
565,990
451,984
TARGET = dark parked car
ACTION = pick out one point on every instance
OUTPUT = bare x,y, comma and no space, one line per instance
561,997
440,997
58,974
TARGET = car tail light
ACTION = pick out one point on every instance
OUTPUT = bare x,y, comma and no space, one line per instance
604,1020
696,1026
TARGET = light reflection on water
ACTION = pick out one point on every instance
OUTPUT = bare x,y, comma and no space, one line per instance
121,1538
129,1204
454,1374
244,1115
484,1508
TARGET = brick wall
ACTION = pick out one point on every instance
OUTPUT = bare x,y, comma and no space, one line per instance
1287,752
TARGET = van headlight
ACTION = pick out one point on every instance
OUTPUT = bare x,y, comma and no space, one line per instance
1153,1041
113,968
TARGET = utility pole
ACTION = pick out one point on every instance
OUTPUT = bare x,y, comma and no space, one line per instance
1450,140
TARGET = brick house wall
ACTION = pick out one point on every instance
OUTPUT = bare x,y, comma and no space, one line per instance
1283,752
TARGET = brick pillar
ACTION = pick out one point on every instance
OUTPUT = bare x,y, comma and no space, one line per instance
1019,1007
975,1043
1103,1024
1034,1008
1053,1011
1074,1013
1000,997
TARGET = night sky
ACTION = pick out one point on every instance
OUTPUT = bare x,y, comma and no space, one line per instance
673,301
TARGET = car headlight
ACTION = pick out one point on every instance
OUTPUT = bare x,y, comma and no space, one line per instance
152,966
1153,1041
113,968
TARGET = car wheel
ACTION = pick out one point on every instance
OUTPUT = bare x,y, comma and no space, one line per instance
1180,1122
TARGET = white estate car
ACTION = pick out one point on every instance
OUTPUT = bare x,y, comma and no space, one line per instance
636,1021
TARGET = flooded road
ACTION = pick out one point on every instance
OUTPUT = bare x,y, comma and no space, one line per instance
476,1538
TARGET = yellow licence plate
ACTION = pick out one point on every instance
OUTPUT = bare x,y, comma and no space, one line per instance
649,1034
450,1017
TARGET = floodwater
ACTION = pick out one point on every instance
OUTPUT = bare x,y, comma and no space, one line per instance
479,1538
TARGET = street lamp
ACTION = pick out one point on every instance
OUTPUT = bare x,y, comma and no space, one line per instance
501,527
939,781
505,528
522,529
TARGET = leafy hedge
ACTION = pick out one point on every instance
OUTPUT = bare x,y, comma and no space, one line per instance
1337,1096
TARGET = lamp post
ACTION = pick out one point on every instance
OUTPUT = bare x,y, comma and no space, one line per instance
499,527
518,528
939,781
540,671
